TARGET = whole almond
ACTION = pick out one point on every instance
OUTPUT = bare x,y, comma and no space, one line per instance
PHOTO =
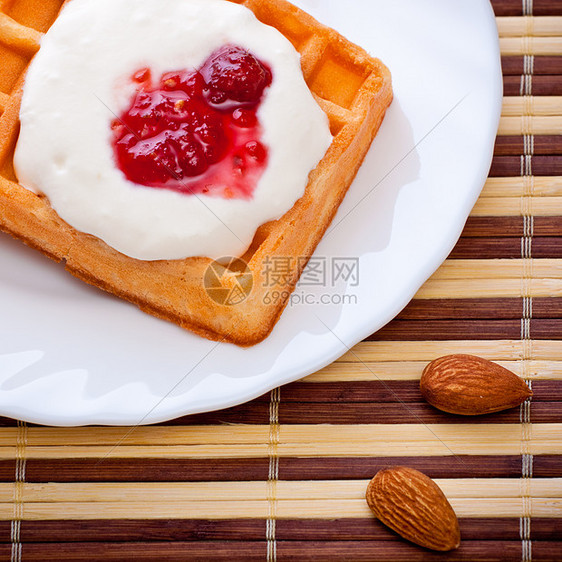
412,504
470,386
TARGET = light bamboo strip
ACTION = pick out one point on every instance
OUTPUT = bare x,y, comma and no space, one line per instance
323,441
489,288
512,207
310,450
285,509
530,125
412,370
539,186
142,492
517,26
531,45
148,492
495,350
517,106
13,34
499,269
155,436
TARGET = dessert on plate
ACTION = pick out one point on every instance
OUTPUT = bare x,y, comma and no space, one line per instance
169,154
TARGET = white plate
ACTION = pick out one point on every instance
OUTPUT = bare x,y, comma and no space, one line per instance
71,355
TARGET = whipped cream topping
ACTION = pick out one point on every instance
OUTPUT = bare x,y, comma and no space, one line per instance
80,80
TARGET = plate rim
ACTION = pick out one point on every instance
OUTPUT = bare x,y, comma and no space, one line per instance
366,328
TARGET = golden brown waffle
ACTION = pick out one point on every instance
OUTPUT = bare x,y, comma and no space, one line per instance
353,88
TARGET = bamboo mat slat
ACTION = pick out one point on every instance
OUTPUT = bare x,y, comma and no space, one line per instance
530,124
250,469
514,145
515,66
283,477
287,550
522,106
360,529
285,509
519,187
472,488
531,45
511,227
543,85
214,437
529,25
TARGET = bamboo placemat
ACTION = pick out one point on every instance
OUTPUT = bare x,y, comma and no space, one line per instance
284,476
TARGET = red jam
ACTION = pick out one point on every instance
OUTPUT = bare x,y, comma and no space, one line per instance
197,131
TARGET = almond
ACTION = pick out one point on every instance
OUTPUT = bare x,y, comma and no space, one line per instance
470,386
412,504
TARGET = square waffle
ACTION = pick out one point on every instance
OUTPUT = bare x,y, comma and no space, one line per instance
353,88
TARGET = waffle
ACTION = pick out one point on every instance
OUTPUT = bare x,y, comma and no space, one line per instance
354,90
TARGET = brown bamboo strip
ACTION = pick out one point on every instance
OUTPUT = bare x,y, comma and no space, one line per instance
370,529
530,45
8,422
491,551
430,350
391,551
7,470
175,492
366,529
506,227
471,308
290,468
510,26
389,391
489,288
474,466
514,145
530,125
519,106
397,413
141,470
446,435
545,85
411,370
190,470
507,166
123,530
161,437
515,7
176,551
515,65
286,509
502,248
518,186
250,413
371,390
418,330
502,206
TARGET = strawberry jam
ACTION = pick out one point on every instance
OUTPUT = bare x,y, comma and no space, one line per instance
197,131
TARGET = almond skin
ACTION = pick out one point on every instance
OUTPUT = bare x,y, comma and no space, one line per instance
412,504
471,386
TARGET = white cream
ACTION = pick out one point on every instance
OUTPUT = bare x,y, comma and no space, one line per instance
77,84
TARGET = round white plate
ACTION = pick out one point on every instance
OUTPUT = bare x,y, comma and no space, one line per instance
71,355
